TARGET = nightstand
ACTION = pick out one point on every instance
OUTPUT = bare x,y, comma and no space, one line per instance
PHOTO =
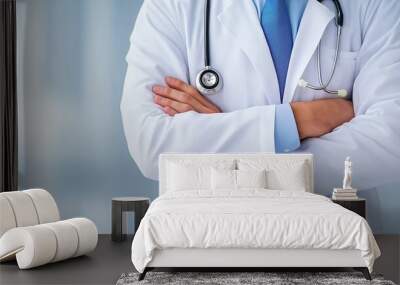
358,206
138,205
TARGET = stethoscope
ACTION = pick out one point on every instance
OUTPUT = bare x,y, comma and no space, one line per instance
209,81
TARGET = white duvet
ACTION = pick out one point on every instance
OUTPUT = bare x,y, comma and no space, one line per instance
250,219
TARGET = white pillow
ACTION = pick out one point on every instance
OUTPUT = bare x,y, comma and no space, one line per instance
282,174
251,178
237,179
223,179
183,176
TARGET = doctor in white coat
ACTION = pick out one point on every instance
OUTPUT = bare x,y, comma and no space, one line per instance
163,112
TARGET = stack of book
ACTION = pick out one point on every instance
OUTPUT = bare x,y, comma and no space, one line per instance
344,194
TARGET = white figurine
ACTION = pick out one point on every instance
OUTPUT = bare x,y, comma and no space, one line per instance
347,192
347,174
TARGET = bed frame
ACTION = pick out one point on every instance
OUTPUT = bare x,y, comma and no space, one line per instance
240,260
236,259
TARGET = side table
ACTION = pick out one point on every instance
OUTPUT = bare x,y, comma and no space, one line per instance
357,205
138,205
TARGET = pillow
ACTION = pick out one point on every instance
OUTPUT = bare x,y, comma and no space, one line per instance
282,174
185,175
237,179
223,179
251,178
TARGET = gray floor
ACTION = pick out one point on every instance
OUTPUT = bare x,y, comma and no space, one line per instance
109,260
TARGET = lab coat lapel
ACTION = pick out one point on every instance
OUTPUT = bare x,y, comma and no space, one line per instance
241,20
315,19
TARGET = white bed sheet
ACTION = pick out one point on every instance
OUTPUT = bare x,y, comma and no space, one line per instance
251,218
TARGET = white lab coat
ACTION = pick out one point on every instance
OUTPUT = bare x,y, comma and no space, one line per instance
168,40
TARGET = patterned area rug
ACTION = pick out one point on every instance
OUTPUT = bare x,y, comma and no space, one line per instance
244,278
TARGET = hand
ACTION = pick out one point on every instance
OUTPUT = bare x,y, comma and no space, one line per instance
179,97
320,117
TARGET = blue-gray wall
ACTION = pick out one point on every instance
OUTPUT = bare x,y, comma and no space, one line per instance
71,71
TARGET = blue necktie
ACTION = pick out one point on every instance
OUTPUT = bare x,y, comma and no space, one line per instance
275,22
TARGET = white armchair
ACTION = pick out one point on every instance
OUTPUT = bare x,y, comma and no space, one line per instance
31,230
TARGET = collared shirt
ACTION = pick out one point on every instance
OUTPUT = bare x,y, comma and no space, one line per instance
286,133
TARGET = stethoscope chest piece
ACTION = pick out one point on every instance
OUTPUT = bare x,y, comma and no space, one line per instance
209,81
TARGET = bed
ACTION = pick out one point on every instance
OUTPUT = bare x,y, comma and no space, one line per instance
247,211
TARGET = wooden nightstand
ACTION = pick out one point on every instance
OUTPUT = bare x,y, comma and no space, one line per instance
358,206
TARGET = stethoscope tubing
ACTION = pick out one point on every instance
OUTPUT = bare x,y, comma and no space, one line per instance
324,86
206,33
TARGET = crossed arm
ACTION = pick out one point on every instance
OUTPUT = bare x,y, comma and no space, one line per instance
313,119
